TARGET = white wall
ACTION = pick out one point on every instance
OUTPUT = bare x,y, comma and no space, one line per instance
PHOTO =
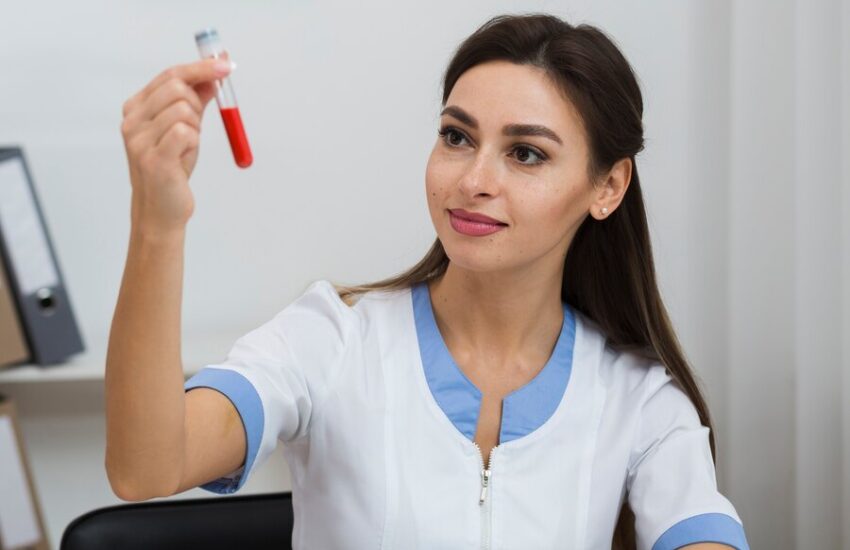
788,271
741,175
761,260
844,70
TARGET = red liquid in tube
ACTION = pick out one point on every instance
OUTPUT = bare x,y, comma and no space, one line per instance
236,135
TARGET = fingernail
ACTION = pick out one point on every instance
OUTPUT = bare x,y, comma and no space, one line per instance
223,66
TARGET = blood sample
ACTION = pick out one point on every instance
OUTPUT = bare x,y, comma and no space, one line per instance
209,45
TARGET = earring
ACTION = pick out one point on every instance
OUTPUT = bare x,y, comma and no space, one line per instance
604,211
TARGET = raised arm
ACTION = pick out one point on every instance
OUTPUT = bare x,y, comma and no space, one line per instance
160,440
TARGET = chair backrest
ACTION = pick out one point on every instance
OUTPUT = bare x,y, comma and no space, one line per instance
245,521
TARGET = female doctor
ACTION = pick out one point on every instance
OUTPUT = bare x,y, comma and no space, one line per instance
521,387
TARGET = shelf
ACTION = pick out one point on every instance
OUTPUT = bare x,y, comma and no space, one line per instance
197,351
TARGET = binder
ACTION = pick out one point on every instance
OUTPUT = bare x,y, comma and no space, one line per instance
35,281
21,519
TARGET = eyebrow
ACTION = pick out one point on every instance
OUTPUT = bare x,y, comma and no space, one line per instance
508,129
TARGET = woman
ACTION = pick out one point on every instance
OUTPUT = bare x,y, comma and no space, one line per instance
520,387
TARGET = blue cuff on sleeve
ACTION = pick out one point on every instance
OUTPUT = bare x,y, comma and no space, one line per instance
247,401
713,527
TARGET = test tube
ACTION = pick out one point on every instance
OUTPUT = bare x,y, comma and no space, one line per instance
209,45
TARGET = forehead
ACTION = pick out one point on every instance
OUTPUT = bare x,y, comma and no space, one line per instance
501,92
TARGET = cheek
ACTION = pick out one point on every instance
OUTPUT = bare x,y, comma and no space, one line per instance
567,216
550,214
437,179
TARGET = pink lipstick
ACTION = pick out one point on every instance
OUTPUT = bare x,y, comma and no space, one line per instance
472,227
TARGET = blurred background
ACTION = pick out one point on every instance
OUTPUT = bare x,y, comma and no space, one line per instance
745,175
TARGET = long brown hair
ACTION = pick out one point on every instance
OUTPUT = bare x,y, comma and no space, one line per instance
609,273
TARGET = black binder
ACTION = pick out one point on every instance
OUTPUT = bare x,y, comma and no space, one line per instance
34,277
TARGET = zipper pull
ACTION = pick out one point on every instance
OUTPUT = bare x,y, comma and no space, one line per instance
485,480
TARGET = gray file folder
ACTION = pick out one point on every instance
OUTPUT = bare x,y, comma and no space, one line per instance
41,298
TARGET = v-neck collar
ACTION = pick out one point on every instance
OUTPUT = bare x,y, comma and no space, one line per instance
523,410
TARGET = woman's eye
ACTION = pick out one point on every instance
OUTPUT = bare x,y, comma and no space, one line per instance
447,133
528,151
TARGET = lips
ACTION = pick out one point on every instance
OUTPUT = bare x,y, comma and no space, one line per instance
474,228
475,217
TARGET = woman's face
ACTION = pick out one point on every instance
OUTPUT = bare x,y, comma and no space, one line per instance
536,184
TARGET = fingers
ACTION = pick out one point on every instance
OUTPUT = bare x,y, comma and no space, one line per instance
170,91
164,118
198,72
205,91
177,113
149,135
192,84
177,140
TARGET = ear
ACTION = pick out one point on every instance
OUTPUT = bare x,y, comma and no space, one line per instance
610,192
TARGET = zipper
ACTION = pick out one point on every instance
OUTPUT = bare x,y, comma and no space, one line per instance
486,475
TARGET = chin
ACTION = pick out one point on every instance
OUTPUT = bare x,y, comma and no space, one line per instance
472,256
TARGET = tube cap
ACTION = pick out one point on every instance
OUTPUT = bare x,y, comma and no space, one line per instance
208,42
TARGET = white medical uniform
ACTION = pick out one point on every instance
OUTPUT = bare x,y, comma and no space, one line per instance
377,424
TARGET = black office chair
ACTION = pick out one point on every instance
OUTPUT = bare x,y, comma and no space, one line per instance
245,521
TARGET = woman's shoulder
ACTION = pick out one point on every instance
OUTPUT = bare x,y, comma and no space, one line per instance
356,296
315,308
352,305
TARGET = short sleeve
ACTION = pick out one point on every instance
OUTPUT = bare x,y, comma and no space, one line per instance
671,482
278,374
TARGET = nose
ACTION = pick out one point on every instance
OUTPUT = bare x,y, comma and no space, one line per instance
480,176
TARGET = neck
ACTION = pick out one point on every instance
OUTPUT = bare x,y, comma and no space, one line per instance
509,322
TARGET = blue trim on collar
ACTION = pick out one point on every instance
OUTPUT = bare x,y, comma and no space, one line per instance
523,410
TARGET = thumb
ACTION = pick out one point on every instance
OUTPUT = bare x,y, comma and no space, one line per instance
205,91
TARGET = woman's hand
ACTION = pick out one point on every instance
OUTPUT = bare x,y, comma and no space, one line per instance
161,130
